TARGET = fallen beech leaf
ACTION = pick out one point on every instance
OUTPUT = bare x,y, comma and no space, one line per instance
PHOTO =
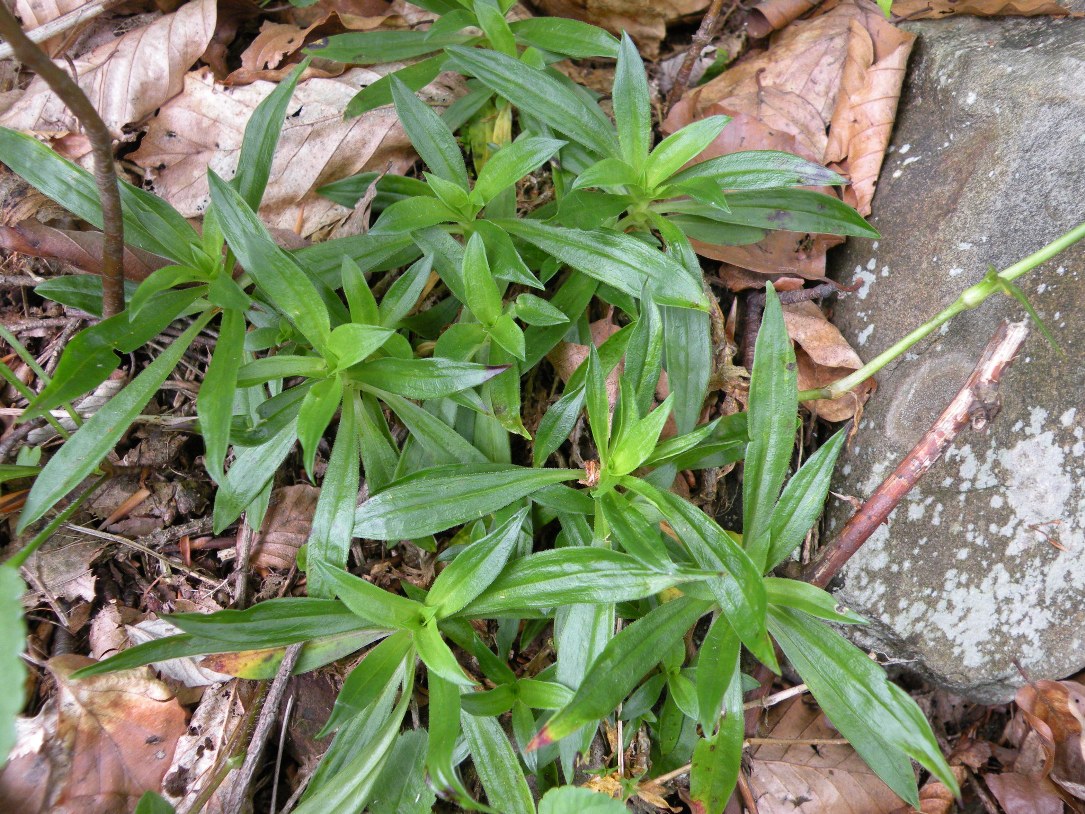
97,747
1018,794
286,526
1055,711
772,15
645,21
937,9
35,13
823,356
827,779
738,279
125,79
204,125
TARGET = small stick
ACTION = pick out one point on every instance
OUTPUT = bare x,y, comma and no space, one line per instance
234,799
776,698
64,22
975,404
105,174
707,29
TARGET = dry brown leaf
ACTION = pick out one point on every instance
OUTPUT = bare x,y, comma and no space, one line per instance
126,79
937,9
203,128
35,13
935,797
772,15
63,566
1018,794
97,747
824,779
1055,711
286,526
83,250
823,356
644,20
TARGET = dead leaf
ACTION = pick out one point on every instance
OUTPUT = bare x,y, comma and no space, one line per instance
286,526
126,79
1018,794
63,566
824,356
937,9
772,15
935,797
1055,711
203,127
187,671
827,779
82,250
645,21
97,746
36,13
826,89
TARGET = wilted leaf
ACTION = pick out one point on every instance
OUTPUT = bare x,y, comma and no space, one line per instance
286,526
937,9
1018,794
97,747
184,670
203,127
80,249
126,79
822,779
772,15
62,565
1055,711
824,356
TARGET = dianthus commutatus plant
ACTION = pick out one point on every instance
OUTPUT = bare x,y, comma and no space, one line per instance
430,324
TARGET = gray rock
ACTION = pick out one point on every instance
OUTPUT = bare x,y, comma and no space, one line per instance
984,562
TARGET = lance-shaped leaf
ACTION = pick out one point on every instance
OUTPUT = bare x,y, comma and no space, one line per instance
511,163
614,258
215,401
374,604
421,378
429,135
880,720
796,210
444,731
588,575
440,498
316,412
438,656
81,453
633,533
571,38
626,659
717,758
632,107
679,148
497,765
12,644
759,169
475,568
809,599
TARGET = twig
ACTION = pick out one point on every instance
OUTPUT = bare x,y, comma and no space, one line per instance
976,404
746,794
755,307
279,754
707,29
234,799
116,538
64,22
18,281
105,174
776,698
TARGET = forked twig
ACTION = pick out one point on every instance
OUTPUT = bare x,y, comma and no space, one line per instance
105,174
976,404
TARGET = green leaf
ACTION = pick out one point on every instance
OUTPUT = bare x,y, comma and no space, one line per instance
717,661
497,766
376,47
360,299
759,169
351,343
452,195
80,291
374,604
598,404
608,173
9,472
773,404
543,694
632,108
571,38
429,135
644,356
421,378
215,401
403,295
151,803
635,443
802,501
379,454
262,137
796,210
252,469
809,599
626,659
439,439
556,424
415,77
475,568
491,20
274,271
483,297
537,311
438,656
440,498
411,214
12,644
614,258
682,147
635,534
878,718
540,95
717,759
505,260
511,163
331,533
574,800
402,788
444,731
582,575
739,589
80,454
316,412
271,623
280,366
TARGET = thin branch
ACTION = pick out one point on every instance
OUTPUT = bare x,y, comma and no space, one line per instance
976,404
105,174
705,32
64,22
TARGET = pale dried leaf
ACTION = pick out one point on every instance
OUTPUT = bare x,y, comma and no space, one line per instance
126,79
63,566
185,670
935,797
1018,794
97,747
286,526
937,9
809,328
203,128
772,15
823,779
36,13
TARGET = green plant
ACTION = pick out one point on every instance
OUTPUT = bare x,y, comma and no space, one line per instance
433,320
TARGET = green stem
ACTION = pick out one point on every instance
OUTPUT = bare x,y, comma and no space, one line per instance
23,554
970,298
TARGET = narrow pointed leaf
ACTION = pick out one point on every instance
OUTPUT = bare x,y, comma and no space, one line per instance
632,108
374,604
512,162
215,401
497,766
429,135
679,148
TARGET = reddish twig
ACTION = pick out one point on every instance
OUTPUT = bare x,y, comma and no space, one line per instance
105,175
976,404
705,32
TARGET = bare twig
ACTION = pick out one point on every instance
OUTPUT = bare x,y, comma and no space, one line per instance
976,404
234,799
64,22
105,174
705,32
